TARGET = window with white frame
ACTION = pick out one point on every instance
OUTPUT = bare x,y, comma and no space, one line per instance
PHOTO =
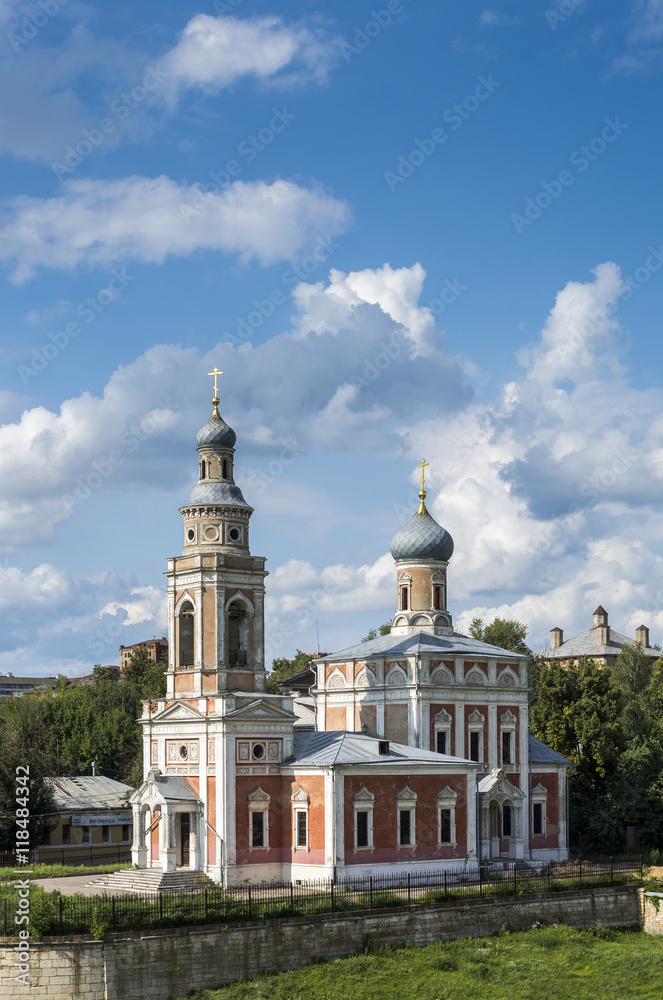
259,820
363,802
442,728
539,793
475,724
404,588
508,737
300,827
446,817
406,801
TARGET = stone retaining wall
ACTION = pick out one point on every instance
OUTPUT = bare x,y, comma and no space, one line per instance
160,964
652,912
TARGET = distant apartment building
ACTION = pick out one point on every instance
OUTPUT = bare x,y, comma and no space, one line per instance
156,648
14,687
601,642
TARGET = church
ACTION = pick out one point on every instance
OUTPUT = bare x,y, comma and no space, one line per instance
420,759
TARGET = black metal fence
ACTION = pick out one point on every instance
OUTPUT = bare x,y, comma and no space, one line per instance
71,854
54,914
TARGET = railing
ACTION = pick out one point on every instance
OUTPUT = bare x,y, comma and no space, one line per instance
71,854
210,905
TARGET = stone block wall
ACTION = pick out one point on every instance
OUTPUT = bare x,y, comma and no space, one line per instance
156,965
652,912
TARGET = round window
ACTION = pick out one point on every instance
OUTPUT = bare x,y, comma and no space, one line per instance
234,534
258,751
211,534
184,753
191,535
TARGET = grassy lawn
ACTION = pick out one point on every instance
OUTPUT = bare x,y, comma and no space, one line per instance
60,871
550,963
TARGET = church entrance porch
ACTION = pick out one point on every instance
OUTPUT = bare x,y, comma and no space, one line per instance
167,824
501,818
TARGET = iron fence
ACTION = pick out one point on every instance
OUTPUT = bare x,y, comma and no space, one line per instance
71,854
57,914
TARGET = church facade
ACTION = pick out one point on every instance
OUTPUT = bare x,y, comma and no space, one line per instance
420,757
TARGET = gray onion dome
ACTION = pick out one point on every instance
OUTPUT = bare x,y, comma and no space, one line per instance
216,434
422,538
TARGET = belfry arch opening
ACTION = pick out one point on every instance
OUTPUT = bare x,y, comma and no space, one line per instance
238,634
185,633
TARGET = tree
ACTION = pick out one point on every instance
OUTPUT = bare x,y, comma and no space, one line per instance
373,633
507,633
283,667
26,741
632,673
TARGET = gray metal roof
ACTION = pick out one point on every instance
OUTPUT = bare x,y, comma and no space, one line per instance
216,492
539,753
334,748
216,434
585,645
88,792
175,789
421,642
422,538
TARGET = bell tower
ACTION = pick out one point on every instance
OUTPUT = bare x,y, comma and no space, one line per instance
216,588
422,550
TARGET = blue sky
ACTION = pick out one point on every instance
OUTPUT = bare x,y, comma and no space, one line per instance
402,229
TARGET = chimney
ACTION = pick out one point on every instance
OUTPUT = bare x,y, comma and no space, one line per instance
642,635
600,617
602,627
556,638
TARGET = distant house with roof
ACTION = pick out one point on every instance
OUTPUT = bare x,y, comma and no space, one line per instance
94,822
600,642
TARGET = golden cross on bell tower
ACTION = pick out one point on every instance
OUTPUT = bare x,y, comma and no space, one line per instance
422,493
216,372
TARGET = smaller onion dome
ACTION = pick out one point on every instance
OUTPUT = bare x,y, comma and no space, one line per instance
216,434
422,538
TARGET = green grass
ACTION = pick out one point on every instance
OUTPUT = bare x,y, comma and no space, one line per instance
60,871
548,963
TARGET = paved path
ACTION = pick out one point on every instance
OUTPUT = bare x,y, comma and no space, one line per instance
73,884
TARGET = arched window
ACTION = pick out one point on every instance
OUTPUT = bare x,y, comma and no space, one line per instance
437,597
238,635
506,820
185,629
224,469
203,469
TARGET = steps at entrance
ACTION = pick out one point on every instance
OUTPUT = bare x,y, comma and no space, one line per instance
153,880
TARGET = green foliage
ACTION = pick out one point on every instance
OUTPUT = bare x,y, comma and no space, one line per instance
546,963
507,633
373,633
63,732
26,740
607,721
62,871
283,667
43,911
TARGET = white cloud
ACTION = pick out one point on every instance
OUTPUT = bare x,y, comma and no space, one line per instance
347,377
144,604
644,48
214,52
495,19
551,491
96,223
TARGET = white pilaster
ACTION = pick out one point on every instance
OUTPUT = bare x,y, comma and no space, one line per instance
460,730
493,736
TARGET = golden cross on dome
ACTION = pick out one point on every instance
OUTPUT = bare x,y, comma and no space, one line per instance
422,493
422,465
216,372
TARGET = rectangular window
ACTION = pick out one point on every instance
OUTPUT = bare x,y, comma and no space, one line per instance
405,827
475,746
125,832
437,598
257,829
506,821
506,748
403,598
105,835
441,741
301,828
85,833
537,823
445,826
362,829
66,833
